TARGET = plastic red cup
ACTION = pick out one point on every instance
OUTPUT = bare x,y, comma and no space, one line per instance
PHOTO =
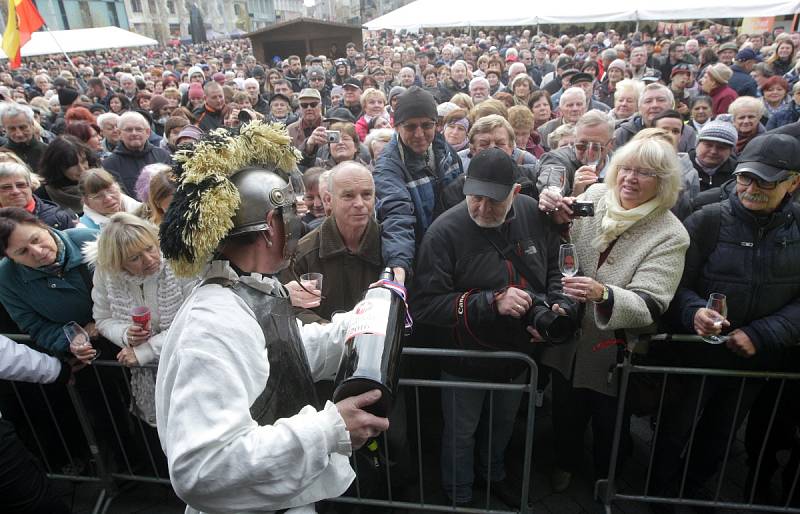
141,317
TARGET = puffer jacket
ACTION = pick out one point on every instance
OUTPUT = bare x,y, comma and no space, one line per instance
409,202
753,261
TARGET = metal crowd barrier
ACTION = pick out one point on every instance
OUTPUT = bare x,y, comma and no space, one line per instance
718,491
127,450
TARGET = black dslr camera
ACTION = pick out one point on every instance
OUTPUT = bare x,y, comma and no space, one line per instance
555,328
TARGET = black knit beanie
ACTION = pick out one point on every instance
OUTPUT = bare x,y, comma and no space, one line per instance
415,103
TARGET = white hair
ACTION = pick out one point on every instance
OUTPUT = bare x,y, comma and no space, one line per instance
478,80
11,109
107,116
251,82
126,76
132,116
571,91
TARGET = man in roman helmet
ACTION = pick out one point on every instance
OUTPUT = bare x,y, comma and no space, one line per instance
235,397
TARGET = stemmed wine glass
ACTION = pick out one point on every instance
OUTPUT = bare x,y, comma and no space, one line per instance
78,338
718,303
568,260
555,179
592,155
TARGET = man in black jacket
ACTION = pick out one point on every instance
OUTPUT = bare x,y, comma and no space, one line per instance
133,152
743,248
17,121
478,299
712,158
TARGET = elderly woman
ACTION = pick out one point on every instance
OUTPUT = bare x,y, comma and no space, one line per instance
564,135
130,272
631,255
521,88
16,190
615,73
775,95
700,112
522,121
456,127
626,99
714,83
63,163
373,103
745,113
789,113
458,81
44,283
376,141
102,198
539,105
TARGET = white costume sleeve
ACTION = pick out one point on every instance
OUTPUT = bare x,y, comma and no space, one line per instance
212,368
324,344
22,363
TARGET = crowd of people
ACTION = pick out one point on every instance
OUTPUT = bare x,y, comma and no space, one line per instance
665,167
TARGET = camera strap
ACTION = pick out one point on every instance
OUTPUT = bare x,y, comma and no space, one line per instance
506,250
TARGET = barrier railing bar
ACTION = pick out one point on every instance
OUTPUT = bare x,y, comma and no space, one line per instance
33,431
766,439
655,434
705,503
690,444
426,507
113,421
731,436
419,447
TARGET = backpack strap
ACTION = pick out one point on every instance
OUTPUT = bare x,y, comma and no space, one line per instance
710,224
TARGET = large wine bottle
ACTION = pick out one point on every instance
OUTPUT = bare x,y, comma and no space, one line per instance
374,340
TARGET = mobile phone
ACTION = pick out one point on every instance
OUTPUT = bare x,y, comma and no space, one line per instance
582,209
333,136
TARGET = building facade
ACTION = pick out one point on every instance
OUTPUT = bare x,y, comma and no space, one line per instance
286,10
261,13
81,14
169,19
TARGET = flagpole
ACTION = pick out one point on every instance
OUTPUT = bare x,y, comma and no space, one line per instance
75,68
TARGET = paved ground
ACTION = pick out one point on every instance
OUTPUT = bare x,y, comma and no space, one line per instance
578,499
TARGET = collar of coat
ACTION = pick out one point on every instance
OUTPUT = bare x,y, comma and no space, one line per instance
332,245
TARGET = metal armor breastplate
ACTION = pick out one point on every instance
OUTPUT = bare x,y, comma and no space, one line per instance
289,386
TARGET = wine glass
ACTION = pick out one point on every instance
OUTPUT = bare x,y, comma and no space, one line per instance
718,303
591,157
78,337
554,179
568,260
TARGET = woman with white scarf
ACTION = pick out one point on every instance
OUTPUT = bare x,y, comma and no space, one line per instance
102,198
631,256
130,272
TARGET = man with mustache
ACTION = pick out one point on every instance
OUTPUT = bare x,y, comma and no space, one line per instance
743,247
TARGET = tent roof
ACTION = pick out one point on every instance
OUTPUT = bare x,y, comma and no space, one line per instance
464,13
81,40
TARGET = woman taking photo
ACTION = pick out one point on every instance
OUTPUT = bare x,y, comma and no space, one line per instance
44,283
102,198
62,165
630,255
130,272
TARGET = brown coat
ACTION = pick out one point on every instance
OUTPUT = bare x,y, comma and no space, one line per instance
346,275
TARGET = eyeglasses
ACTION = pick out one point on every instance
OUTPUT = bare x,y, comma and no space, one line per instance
7,188
746,180
105,193
412,127
582,147
309,105
134,130
638,172
316,79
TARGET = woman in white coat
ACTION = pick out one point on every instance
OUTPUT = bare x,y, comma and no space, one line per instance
631,255
130,272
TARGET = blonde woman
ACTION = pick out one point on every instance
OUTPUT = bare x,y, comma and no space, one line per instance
102,197
631,257
130,272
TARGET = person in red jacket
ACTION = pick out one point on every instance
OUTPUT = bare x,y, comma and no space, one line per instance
715,84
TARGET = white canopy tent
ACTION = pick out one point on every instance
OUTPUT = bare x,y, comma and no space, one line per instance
81,40
499,13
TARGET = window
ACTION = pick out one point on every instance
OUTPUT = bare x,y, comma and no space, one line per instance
136,5
171,6
151,4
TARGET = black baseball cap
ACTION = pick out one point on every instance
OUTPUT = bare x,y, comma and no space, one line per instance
490,174
340,114
352,82
770,157
580,77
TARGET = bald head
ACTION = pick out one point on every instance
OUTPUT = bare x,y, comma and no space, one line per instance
352,199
